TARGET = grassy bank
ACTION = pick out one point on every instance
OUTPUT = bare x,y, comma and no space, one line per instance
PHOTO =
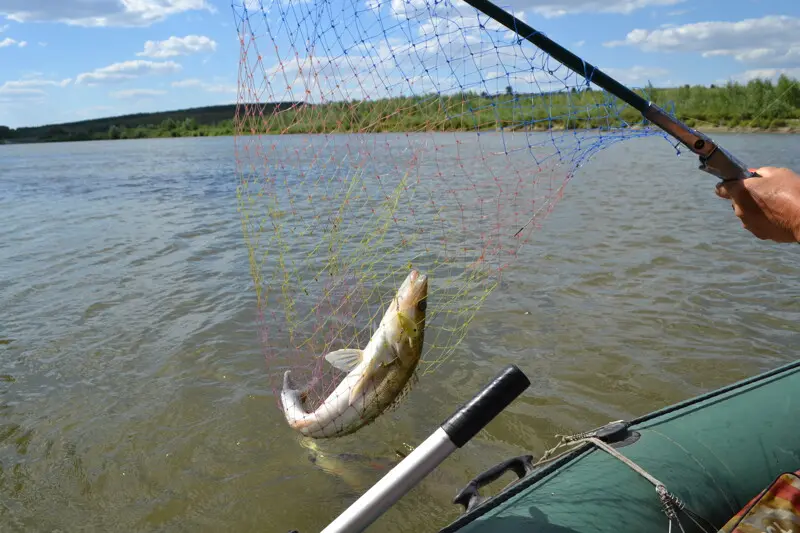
758,106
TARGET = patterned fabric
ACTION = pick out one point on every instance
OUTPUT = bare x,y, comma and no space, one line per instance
774,510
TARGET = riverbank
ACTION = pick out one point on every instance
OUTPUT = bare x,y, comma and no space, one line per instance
757,107
229,131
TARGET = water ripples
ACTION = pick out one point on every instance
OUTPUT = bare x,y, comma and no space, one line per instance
134,391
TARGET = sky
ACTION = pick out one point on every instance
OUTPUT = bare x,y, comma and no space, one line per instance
67,60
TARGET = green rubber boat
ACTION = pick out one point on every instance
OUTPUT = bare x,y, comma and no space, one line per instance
713,453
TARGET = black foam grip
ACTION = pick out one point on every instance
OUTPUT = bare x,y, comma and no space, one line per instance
484,406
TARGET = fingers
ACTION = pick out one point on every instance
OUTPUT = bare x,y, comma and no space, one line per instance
729,189
722,191
735,191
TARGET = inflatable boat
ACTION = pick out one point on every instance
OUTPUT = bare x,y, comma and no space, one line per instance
712,454
690,467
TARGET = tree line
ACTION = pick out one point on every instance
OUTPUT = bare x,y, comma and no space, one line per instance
759,105
191,122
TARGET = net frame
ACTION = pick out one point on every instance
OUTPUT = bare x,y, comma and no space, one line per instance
332,143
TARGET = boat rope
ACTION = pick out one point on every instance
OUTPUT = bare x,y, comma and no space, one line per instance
670,503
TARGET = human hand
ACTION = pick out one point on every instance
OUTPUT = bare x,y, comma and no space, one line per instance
768,206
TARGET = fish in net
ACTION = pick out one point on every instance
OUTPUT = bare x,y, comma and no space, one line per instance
376,138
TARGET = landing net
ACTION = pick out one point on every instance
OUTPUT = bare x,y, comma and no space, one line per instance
374,136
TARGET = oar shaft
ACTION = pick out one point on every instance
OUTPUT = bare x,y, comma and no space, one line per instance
456,431
394,485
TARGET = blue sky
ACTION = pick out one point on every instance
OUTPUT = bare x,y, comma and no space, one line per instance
65,60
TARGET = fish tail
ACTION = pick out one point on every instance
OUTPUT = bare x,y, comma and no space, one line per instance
291,398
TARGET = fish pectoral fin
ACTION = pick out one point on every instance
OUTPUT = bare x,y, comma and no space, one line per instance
409,326
355,392
385,356
366,377
346,359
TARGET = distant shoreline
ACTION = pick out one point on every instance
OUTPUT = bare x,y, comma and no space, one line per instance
725,129
202,131
759,106
703,129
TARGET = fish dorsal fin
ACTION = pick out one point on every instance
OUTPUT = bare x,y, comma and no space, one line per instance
346,359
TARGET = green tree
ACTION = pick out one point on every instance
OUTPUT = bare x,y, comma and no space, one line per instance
789,92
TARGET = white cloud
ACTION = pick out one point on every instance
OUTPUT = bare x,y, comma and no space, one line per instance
250,5
205,86
178,46
545,8
36,82
12,91
99,12
136,93
127,70
7,89
441,47
637,74
187,83
407,9
766,73
8,41
31,87
558,8
773,40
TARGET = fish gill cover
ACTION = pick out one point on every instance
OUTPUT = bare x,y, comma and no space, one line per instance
373,136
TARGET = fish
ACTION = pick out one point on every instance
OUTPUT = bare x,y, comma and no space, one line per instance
379,376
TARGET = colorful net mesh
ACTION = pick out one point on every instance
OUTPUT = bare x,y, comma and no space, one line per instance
374,136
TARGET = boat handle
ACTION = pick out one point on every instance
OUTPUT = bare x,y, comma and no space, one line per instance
469,497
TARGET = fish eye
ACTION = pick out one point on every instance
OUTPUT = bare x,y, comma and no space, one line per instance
422,305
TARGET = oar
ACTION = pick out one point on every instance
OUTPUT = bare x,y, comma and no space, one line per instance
454,433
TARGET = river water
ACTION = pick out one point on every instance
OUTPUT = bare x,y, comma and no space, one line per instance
134,394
